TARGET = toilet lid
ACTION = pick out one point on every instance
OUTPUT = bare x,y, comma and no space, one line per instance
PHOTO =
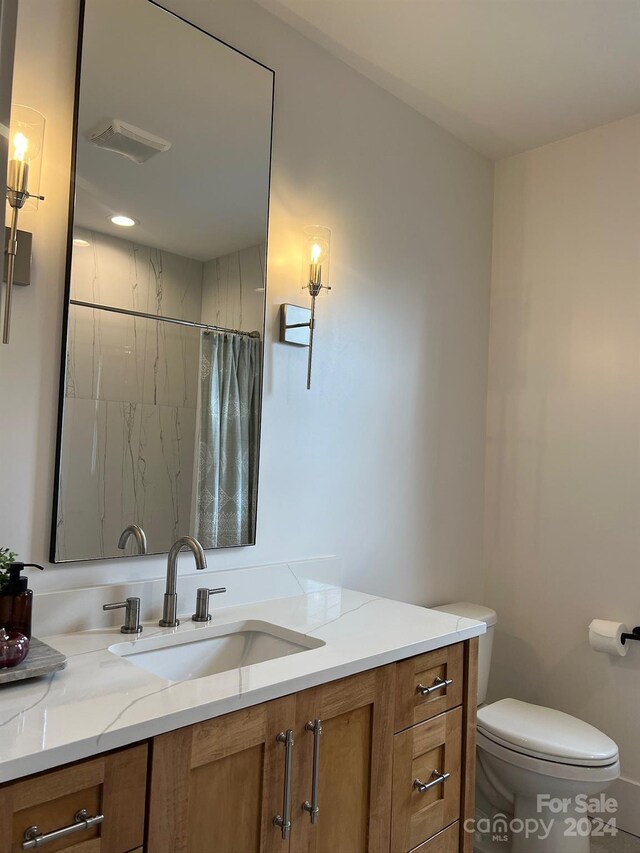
545,733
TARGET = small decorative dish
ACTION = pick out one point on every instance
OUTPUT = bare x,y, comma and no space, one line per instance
41,660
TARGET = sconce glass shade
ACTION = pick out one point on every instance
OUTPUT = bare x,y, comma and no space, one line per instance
315,259
26,141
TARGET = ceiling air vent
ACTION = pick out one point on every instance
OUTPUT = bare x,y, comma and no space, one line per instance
132,142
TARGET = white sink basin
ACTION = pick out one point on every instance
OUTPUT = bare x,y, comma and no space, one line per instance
208,650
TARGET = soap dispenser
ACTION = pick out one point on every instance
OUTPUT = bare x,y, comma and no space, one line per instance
16,600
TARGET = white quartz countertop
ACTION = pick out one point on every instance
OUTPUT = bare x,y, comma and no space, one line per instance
102,701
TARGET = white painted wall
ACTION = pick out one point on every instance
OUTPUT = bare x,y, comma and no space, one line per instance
382,462
563,457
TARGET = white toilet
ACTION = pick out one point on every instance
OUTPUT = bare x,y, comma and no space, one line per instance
525,751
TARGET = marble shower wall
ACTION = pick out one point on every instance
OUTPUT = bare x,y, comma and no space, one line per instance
127,463
233,290
122,274
132,387
131,396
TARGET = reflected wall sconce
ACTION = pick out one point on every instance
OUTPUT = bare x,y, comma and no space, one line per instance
26,139
297,324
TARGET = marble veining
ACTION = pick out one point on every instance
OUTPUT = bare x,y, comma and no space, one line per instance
102,701
48,682
367,603
233,289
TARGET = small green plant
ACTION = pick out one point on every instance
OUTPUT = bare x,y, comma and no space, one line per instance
6,558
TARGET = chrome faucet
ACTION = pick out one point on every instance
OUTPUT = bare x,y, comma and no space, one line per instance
170,606
139,535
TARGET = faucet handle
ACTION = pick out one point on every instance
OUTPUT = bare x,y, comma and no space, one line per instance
132,615
202,602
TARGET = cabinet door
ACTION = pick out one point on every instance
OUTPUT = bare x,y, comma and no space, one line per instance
428,685
113,786
447,841
217,786
426,780
355,762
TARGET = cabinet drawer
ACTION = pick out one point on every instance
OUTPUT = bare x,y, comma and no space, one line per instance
447,841
431,746
428,671
113,785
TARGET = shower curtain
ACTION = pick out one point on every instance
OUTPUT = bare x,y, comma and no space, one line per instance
229,414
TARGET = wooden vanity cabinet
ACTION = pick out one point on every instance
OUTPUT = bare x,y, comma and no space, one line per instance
112,785
355,752
432,746
435,738
353,748
216,786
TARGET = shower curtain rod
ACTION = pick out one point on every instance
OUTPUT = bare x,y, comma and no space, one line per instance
159,317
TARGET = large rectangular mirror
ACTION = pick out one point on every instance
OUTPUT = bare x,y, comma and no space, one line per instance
159,422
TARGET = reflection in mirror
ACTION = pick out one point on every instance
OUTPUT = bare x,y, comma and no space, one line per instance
161,388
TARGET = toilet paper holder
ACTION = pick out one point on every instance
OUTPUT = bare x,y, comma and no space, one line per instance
634,635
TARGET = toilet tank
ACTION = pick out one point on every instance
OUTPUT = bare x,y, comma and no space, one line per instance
485,641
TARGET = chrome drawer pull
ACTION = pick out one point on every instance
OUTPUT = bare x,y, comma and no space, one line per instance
284,820
81,820
438,684
436,779
313,807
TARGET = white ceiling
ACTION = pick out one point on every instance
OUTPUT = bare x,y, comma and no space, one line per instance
502,75
208,194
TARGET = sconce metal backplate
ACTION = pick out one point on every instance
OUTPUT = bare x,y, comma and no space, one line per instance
22,272
295,325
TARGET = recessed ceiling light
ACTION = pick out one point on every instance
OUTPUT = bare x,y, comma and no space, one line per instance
77,241
125,221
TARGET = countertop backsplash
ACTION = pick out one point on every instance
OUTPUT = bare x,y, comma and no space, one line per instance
80,609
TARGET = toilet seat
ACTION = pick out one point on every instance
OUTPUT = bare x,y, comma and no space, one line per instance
544,767
544,735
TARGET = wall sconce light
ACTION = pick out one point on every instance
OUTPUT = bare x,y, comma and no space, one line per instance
26,139
297,324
